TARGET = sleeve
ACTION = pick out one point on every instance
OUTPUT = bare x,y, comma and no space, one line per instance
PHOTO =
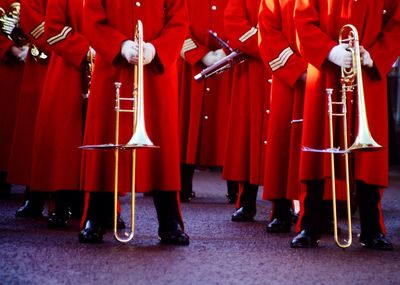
241,33
275,49
385,49
315,45
32,23
169,43
192,51
61,37
105,39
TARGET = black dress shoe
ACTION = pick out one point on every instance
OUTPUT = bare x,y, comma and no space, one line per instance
29,210
304,240
176,237
58,219
379,242
279,226
243,215
92,233
187,196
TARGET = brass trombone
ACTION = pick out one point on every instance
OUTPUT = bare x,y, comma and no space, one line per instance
350,78
139,139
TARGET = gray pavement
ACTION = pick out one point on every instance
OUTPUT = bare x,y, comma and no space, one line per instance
221,252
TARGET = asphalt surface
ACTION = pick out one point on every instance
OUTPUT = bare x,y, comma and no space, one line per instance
220,252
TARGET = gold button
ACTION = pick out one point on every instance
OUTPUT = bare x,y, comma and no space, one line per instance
138,4
265,142
267,111
208,89
213,7
206,117
384,12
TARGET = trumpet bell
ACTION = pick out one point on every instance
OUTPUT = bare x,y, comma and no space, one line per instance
365,142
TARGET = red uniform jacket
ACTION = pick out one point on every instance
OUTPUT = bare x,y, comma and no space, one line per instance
59,126
278,48
318,24
11,70
109,23
32,23
203,105
247,128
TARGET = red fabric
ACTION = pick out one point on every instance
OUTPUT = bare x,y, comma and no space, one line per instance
32,15
248,117
58,134
203,105
318,24
109,23
11,70
278,38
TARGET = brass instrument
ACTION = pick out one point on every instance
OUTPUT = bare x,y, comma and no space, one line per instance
9,24
350,78
235,57
139,138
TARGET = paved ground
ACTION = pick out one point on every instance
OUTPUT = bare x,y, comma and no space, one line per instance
221,252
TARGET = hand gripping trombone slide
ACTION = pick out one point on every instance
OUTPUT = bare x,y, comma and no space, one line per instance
235,57
350,78
139,139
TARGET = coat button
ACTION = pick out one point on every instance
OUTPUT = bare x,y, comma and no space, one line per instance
384,12
213,7
267,111
138,4
208,89
206,117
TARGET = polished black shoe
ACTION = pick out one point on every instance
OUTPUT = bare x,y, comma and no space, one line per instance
187,196
120,223
304,240
279,226
176,237
29,210
379,242
243,215
92,233
58,219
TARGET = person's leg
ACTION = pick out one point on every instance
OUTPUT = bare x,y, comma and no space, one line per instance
187,172
246,204
371,221
310,216
281,218
170,230
232,191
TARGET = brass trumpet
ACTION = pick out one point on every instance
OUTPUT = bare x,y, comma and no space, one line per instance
139,139
350,79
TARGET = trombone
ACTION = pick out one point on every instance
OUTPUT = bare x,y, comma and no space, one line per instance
139,139
351,78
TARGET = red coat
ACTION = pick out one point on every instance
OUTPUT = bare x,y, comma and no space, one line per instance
109,23
59,128
318,24
11,70
32,23
247,126
203,105
278,48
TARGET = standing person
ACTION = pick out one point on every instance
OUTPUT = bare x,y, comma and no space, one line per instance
204,104
12,57
278,48
110,27
32,23
59,127
318,24
248,117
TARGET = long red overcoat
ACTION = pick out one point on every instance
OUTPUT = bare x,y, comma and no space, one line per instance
203,105
278,48
248,117
59,127
11,70
109,23
318,23
32,23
